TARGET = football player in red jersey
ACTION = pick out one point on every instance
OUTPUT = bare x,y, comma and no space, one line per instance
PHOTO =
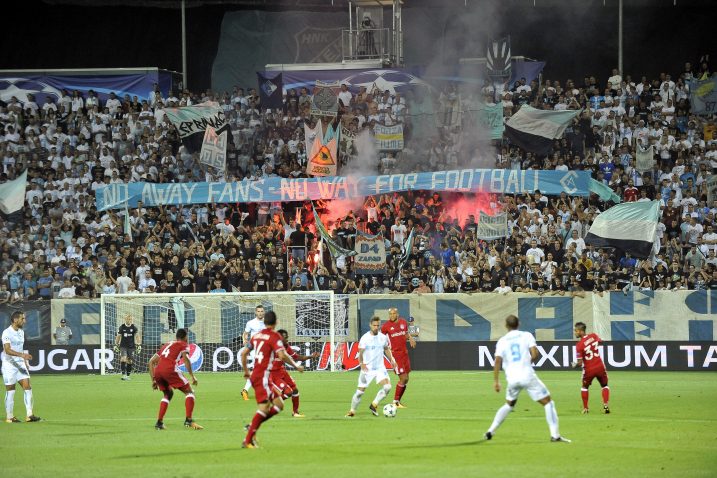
267,346
166,376
281,378
588,356
396,328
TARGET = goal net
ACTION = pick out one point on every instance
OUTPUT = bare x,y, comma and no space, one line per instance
315,321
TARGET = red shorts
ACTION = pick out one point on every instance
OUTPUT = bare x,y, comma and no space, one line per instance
281,379
168,379
403,364
264,389
589,375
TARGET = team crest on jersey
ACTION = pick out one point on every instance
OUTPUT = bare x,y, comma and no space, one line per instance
402,327
196,358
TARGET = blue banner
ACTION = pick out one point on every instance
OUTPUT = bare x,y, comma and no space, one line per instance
393,79
498,181
51,84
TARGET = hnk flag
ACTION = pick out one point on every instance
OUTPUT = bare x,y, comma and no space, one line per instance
270,91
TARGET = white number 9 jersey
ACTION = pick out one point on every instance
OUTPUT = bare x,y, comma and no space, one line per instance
514,348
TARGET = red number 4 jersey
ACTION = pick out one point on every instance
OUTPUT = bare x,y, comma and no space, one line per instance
170,354
587,350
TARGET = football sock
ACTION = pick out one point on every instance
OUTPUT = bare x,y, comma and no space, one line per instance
189,405
259,418
500,415
605,394
163,408
356,400
129,368
551,416
9,403
28,402
383,391
584,393
123,368
400,388
295,402
247,386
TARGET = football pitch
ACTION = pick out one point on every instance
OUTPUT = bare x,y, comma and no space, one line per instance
662,424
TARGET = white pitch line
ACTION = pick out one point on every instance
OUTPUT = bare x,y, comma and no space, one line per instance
338,417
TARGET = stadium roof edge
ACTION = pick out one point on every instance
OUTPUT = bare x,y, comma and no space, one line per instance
88,70
347,65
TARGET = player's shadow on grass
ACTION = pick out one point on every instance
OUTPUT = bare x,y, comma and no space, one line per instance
85,434
68,424
445,445
175,453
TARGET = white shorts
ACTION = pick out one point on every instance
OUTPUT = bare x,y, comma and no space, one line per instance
535,388
365,378
13,372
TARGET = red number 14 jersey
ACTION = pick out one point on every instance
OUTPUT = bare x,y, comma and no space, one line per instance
265,344
587,350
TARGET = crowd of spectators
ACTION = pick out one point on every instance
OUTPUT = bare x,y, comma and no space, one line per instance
60,246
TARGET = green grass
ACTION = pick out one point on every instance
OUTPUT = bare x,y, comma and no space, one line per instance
663,424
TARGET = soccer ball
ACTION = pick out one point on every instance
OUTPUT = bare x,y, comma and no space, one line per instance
389,410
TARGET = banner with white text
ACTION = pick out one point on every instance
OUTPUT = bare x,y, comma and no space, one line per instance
370,255
498,181
190,120
388,138
492,227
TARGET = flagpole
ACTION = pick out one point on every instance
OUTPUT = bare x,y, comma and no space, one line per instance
619,38
184,46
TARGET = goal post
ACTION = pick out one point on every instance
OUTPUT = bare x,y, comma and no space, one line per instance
316,321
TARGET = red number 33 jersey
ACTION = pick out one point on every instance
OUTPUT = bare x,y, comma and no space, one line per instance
587,350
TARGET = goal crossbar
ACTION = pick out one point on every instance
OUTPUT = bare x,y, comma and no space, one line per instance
219,318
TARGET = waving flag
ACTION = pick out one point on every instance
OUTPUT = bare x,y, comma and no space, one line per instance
604,191
703,96
323,155
127,223
334,248
311,135
498,57
645,159
407,247
192,122
630,227
270,91
214,149
534,130
12,194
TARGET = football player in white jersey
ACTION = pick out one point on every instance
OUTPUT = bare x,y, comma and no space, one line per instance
15,367
252,327
515,352
372,347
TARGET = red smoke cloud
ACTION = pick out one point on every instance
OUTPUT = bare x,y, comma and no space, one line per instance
334,211
461,206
